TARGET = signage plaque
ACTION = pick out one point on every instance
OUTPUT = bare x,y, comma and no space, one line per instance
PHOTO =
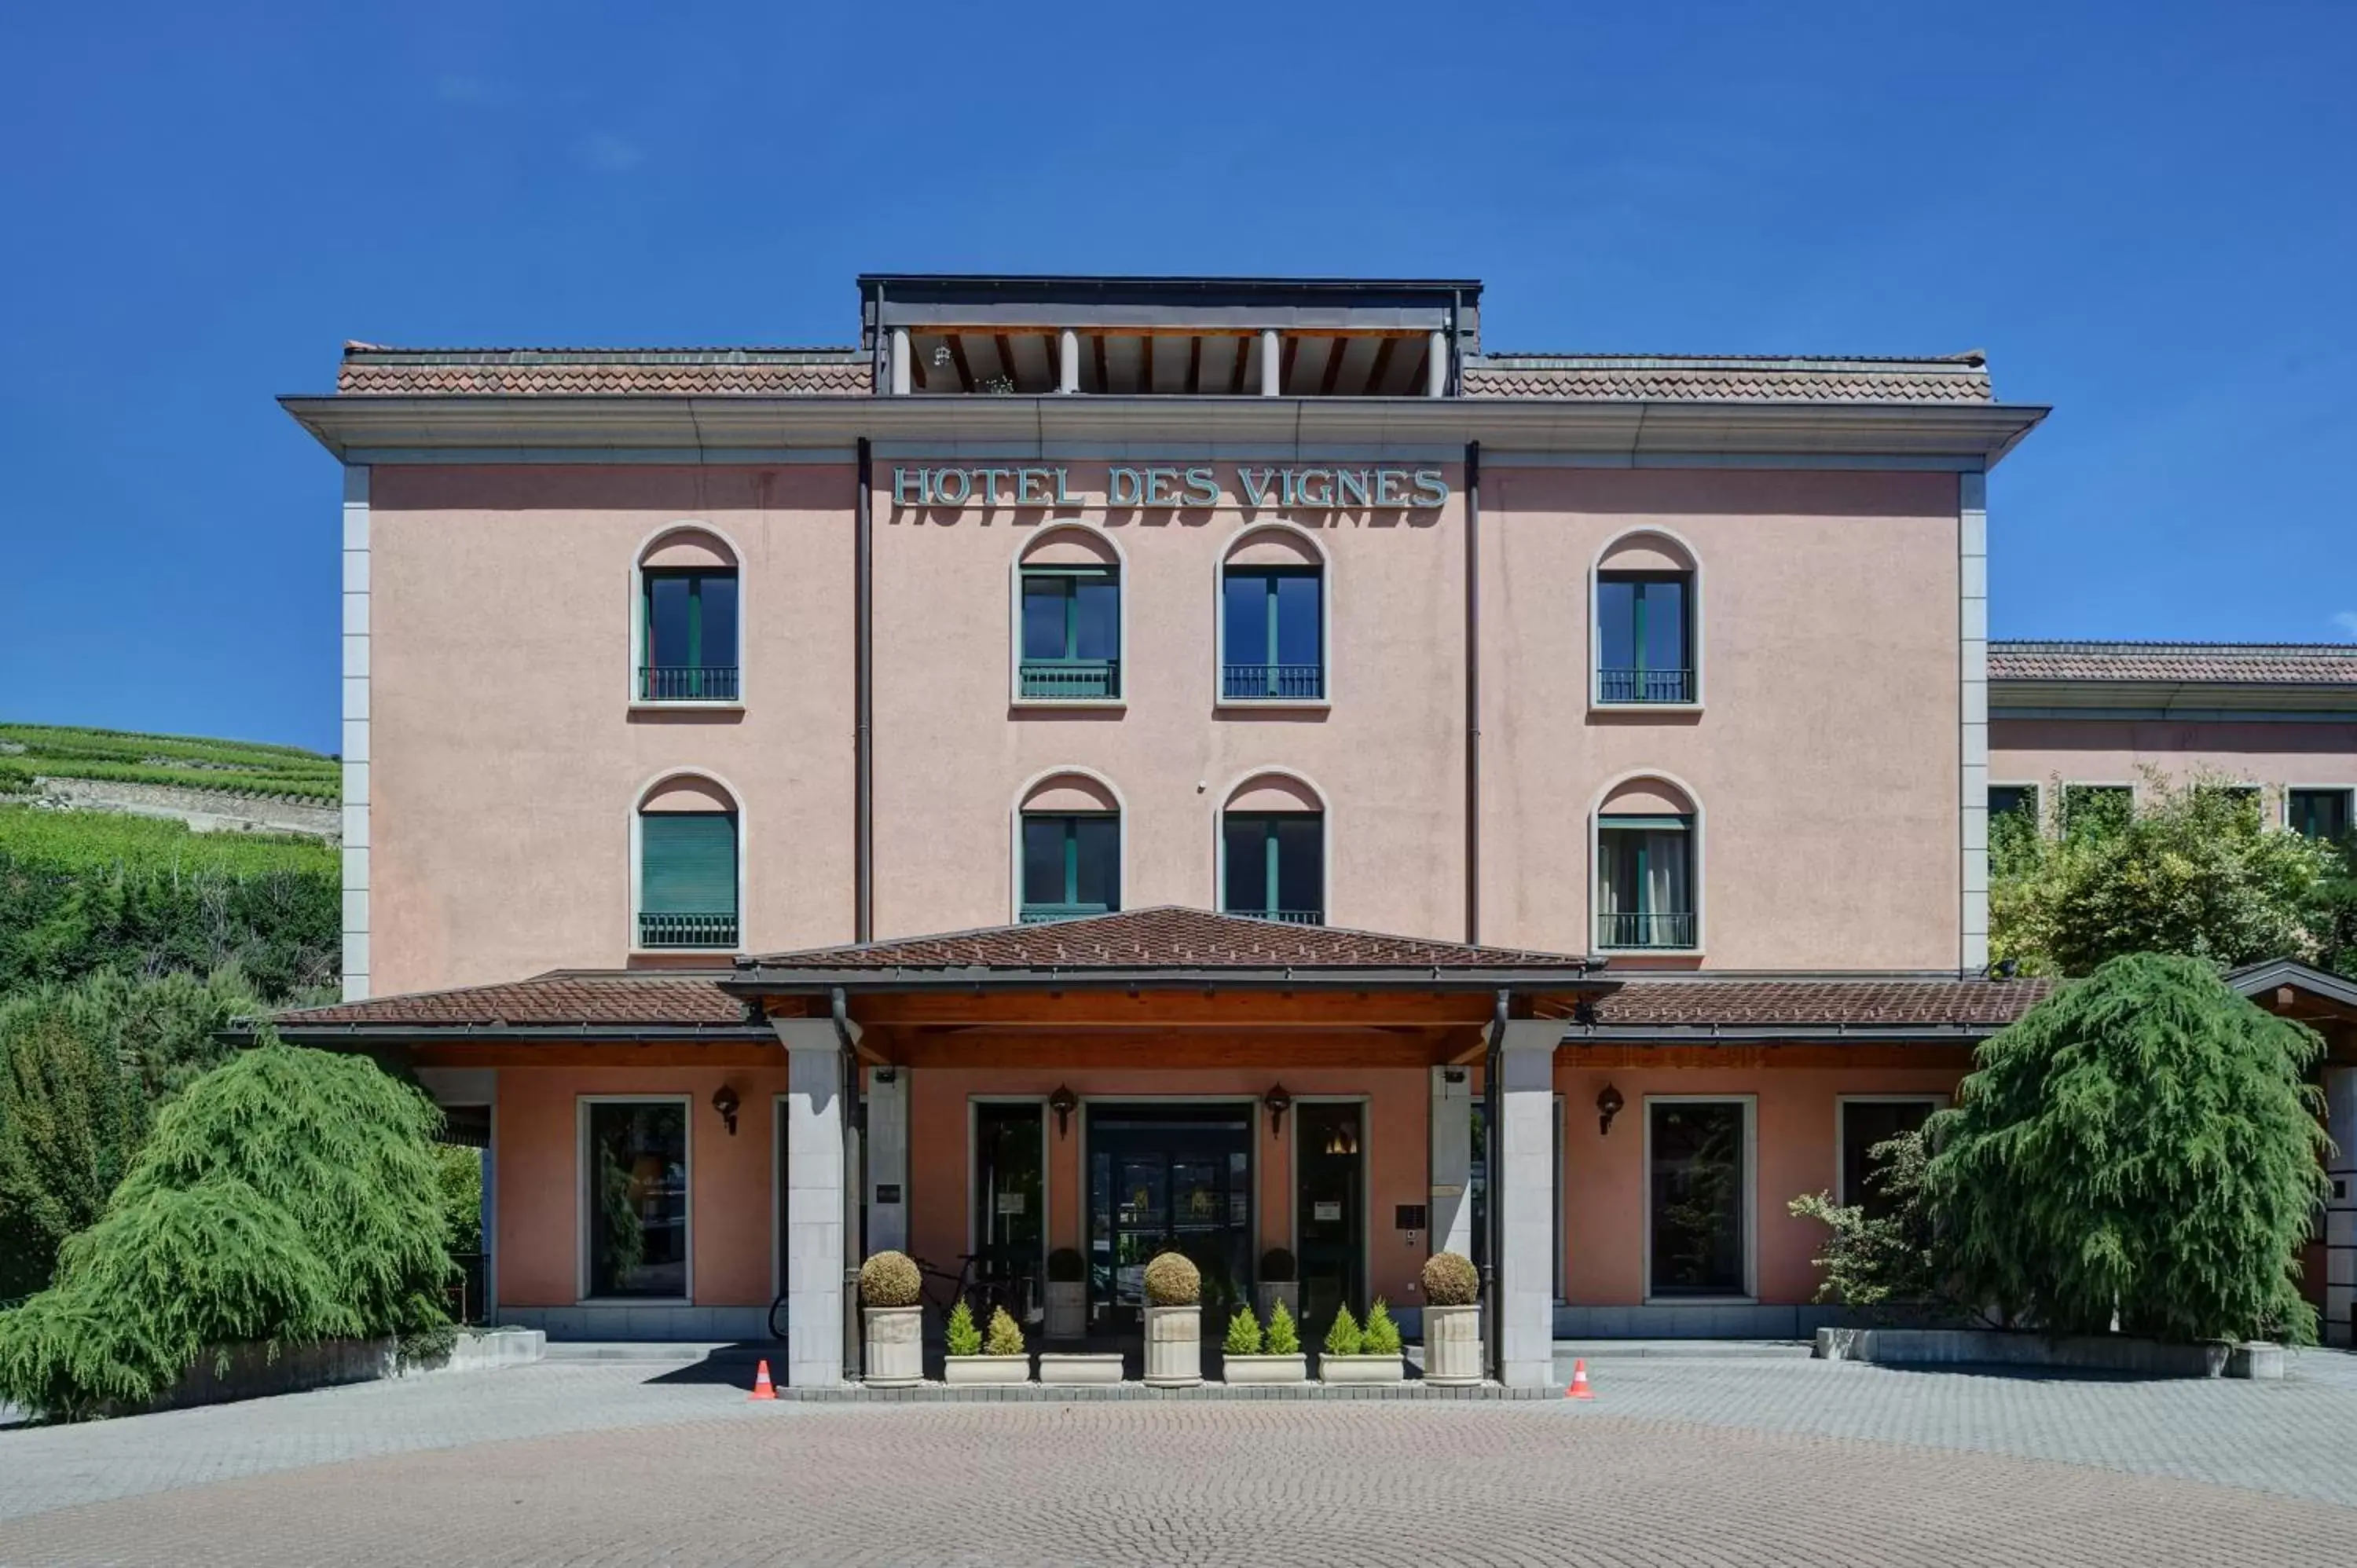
1245,487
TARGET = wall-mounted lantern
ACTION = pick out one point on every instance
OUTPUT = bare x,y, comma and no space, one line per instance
1608,1105
1278,1102
1062,1103
724,1100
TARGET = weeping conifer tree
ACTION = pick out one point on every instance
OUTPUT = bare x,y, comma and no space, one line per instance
2144,1143
289,1196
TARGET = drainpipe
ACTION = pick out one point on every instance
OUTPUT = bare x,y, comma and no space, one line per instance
1472,691
1493,1349
863,761
847,1099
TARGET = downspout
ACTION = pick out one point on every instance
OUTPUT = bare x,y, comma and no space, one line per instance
863,763
846,1089
1493,1349
1472,692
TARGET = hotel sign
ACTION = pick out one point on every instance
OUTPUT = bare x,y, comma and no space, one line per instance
1318,487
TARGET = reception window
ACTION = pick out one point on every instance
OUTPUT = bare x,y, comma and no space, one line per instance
635,1205
1697,1180
1071,866
1273,866
1071,632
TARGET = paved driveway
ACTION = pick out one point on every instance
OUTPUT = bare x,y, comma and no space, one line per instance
1684,1461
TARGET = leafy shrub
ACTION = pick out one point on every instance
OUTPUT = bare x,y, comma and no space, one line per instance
288,1195
2144,1143
1066,1266
15,781
70,1122
890,1279
1006,1335
1343,1337
1243,1333
1172,1279
1284,1338
1276,1266
963,1338
1381,1336
1891,1263
1450,1280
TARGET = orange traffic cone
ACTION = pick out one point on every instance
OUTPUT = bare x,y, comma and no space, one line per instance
1578,1390
763,1390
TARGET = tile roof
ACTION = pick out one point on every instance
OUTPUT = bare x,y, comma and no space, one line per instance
1727,379
1864,1001
563,997
2295,663
1165,937
369,371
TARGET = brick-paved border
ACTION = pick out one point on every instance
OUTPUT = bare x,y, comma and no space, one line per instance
1061,1393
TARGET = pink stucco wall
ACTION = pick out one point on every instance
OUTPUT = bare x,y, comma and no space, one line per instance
2112,751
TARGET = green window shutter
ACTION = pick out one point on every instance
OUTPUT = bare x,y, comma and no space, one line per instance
687,863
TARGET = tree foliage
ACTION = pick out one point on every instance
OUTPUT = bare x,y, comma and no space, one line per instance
2143,1144
70,1121
2192,868
1888,1263
288,1195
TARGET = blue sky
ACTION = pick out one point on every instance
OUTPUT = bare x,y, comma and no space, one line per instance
2143,212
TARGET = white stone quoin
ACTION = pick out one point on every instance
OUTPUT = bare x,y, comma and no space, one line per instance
896,1346
1522,1163
815,1203
1452,1345
1174,1346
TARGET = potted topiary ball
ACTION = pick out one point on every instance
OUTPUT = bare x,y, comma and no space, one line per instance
888,1290
975,1358
1452,1321
1068,1294
1174,1322
1250,1357
1278,1283
1363,1355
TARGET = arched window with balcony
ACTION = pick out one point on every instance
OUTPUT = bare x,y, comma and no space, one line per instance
1068,618
1648,643
1273,851
1068,848
1273,618
688,620
1648,868
688,866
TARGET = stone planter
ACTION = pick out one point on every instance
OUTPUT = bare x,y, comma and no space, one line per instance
2096,1352
1452,1345
968,1372
1067,1310
1072,1368
1292,1369
896,1346
1174,1346
1334,1369
1271,1292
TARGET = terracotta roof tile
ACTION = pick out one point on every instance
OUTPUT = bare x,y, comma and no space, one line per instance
1625,378
1166,937
565,997
2295,663
1864,1001
368,371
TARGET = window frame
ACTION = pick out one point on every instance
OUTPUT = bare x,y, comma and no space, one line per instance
1020,568
1601,822
2348,793
973,1104
2037,799
1022,818
1606,577
1841,1103
636,851
1323,569
641,604
584,1209
1219,867
1598,572
1748,1213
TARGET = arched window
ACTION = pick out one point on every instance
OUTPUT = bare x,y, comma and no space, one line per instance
1272,619
689,864
1647,650
1068,849
687,635
1273,851
1068,619
1648,859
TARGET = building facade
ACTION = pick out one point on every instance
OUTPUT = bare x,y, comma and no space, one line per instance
1112,763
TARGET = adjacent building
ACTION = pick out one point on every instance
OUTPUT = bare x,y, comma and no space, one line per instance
1112,763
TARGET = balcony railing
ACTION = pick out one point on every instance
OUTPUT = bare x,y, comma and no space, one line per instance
1272,682
1071,677
1644,686
1040,914
715,933
1285,917
687,683
1640,931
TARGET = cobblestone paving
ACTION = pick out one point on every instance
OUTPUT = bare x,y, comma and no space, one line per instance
1723,1463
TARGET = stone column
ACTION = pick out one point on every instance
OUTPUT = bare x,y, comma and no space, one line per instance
1452,1161
1068,361
1522,1184
887,1159
815,1304
1435,367
1272,364
2340,1207
899,342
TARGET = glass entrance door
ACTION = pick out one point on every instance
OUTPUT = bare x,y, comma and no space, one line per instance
1164,1178
1330,1220
1010,1200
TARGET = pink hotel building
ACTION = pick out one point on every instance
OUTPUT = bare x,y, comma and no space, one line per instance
1109,763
